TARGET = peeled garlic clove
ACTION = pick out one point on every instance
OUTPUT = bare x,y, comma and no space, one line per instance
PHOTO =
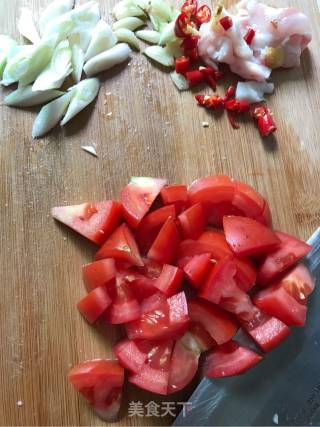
108,59
83,94
127,36
81,39
160,54
77,60
131,23
50,115
161,9
167,34
6,45
26,26
149,36
179,81
53,11
126,8
25,97
102,39
253,91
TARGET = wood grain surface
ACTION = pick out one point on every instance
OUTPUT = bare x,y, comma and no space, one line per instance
155,131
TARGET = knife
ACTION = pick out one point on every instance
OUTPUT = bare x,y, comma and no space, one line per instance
282,390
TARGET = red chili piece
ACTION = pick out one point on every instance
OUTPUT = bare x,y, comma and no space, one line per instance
232,120
230,92
248,37
218,74
237,106
194,77
226,22
211,81
264,119
189,8
182,65
203,15
213,102
190,48
182,26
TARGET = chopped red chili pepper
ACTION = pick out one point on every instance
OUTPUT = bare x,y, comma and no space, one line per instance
182,65
190,42
211,81
203,15
218,75
189,8
213,102
193,54
249,36
236,106
208,71
226,22
230,92
194,77
182,26
264,119
232,120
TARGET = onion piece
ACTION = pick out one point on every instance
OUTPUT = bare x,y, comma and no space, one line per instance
25,97
126,8
77,60
50,115
160,54
102,39
179,81
83,94
127,36
161,9
27,27
53,11
149,36
131,23
253,91
168,34
108,59
6,45
53,76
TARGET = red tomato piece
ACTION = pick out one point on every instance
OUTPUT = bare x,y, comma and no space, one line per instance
285,256
151,224
100,382
182,66
165,246
122,246
169,280
129,355
143,287
176,195
230,359
95,221
98,273
184,363
138,196
203,338
299,283
246,273
196,269
248,200
276,302
247,236
218,323
192,222
217,242
203,15
154,302
265,217
158,353
125,307
150,379
94,304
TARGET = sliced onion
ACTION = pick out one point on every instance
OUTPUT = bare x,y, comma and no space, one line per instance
83,94
27,27
160,54
6,45
53,11
26,97
149,36
179,81
108,59
126,8
77,60
168,34
252,91
131,23
127,36
102,39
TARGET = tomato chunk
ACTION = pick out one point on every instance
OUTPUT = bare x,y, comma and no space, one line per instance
299,283
165,246
247,237
176,195
248,200
169,280
100,382
121,245
94,304
125,307
203,338
230,359
196,269
158,353
129,355
98,273
218,323
138,196
154,380
285,256
192,222
95,221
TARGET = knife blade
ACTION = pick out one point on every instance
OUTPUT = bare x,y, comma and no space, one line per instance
282,390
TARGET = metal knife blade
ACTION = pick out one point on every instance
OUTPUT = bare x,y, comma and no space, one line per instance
282,390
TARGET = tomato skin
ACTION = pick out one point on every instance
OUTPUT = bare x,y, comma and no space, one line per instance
196,269
203,338
248,200
138,196
98,273
192,222
247,236
124,308
165,246
150,379
95,221
169,280
176,195
121,246
218,323
230,359
94,304
151,224
129,355
289,252
100,382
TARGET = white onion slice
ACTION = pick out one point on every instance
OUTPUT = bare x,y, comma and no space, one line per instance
126,8
102,39
26,97
27,27
108,59
253,91
53,11
131,23
149,36
127,36
83,94
77,60
179,81
159,54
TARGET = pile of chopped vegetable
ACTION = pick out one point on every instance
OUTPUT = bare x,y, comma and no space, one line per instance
182,269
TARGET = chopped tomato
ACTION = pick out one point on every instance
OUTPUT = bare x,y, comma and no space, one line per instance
192,222
246,273
285,256
154,380
138,196
299,283
247,236
169,280
218,323
158,353
100,382
98,273
165,246
176,195
94,304
217,242
151,269
95,221
203,338
125,307
229,359
265,217
197,268
121,245
129,355
248,200
143,287
151,224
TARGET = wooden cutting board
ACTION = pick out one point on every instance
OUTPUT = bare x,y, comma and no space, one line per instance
141,126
